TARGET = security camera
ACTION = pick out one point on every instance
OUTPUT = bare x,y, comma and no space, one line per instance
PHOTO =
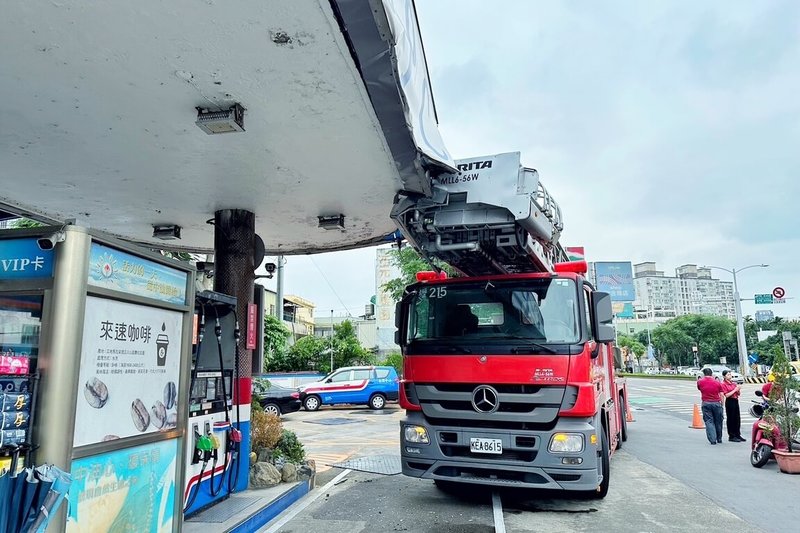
271,267
49,242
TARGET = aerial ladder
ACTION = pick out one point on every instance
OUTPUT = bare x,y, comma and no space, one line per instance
493,216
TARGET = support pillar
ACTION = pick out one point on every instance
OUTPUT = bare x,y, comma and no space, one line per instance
234,244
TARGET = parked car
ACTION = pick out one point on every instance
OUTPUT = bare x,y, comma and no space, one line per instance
692,371
367,385
716,373
275,399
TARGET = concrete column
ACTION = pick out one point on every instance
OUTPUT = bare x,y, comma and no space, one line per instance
234,244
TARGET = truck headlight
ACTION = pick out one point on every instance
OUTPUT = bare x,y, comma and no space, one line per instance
416,434
566,443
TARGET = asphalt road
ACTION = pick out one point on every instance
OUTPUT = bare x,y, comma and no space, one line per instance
666,478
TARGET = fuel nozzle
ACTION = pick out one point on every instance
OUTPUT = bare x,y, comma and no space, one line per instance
237,333
218,330
234,439
205,446
215,444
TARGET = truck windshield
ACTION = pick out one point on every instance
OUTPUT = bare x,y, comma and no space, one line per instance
540,310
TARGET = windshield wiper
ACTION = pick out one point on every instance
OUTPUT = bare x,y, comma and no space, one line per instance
520,349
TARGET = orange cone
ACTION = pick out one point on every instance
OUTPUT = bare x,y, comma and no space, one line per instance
697,420
629,416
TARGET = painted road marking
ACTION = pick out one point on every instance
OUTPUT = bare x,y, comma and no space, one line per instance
292,511
497,511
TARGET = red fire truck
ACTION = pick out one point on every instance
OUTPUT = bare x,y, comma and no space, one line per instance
509,368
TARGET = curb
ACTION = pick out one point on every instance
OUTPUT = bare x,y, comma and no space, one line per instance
261,517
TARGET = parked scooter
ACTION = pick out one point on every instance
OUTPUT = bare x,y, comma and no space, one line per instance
766,435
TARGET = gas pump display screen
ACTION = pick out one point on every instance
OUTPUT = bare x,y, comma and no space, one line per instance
208,358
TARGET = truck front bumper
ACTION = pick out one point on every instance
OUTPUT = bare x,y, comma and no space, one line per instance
524,462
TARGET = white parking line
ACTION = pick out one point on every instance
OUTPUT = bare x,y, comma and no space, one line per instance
497,511
302,504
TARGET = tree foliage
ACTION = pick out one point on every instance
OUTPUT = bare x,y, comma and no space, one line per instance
714,336
394,359
410,262
631,346
314,353
275,337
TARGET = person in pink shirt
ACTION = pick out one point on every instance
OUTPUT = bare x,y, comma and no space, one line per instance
731,391
712,396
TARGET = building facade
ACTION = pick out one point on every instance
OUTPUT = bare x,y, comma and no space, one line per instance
691,291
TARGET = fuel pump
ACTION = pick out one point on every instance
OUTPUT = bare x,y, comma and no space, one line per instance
212,454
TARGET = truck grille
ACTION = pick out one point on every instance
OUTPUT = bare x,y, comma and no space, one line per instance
525,407
507,455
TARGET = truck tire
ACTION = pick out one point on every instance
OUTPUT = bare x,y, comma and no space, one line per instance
603,469
377,401
623,427
312,402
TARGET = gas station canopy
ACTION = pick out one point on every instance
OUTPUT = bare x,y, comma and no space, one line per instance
99,104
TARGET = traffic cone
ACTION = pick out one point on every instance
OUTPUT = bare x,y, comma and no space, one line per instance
629,416
697,420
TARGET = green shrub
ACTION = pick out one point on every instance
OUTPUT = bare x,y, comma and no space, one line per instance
255,406
290,447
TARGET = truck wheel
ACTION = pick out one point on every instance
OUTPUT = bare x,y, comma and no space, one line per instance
760,456
377,401
311,403
623,431
603,468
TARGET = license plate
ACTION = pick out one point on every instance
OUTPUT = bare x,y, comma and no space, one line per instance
486,445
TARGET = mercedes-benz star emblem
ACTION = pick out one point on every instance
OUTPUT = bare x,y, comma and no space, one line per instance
484,399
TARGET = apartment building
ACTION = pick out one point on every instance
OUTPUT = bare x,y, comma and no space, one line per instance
693,290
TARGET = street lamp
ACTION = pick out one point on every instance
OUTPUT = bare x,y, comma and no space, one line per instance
740,338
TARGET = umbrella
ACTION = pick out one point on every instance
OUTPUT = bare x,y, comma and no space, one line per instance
5,489
27,493
60,483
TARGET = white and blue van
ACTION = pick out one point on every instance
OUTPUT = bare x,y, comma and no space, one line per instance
366,385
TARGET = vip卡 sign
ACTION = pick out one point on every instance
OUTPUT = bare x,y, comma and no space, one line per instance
23,259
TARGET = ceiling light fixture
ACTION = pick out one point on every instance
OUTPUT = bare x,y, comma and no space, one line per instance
331,221
214,122
167,232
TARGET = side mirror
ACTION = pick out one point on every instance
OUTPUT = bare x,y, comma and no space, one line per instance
602,317
398,314
329,380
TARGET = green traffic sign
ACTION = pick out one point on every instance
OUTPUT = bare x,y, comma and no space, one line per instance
763,298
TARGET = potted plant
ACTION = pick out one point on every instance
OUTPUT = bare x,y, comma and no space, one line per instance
783,398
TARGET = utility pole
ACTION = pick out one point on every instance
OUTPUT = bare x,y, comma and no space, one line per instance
331,343
741,341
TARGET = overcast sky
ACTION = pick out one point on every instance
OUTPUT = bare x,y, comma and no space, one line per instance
667,131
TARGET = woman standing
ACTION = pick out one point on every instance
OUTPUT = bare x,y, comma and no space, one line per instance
732,391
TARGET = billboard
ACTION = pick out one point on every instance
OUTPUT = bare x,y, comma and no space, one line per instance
616,278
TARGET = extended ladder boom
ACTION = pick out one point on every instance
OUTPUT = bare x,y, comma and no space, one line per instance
492,217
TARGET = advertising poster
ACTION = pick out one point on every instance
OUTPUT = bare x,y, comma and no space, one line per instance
124,490
130,369
23,259
617,280
120,271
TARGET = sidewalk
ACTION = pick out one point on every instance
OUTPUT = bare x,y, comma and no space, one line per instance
248,511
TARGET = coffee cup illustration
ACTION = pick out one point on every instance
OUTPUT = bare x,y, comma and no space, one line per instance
162,343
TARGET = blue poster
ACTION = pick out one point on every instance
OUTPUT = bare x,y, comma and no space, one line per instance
120,271
132,489
617,280
22,259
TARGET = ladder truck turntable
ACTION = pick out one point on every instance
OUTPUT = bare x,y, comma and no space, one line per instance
508,370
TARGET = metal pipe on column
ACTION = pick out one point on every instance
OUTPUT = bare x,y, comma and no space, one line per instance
279,290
